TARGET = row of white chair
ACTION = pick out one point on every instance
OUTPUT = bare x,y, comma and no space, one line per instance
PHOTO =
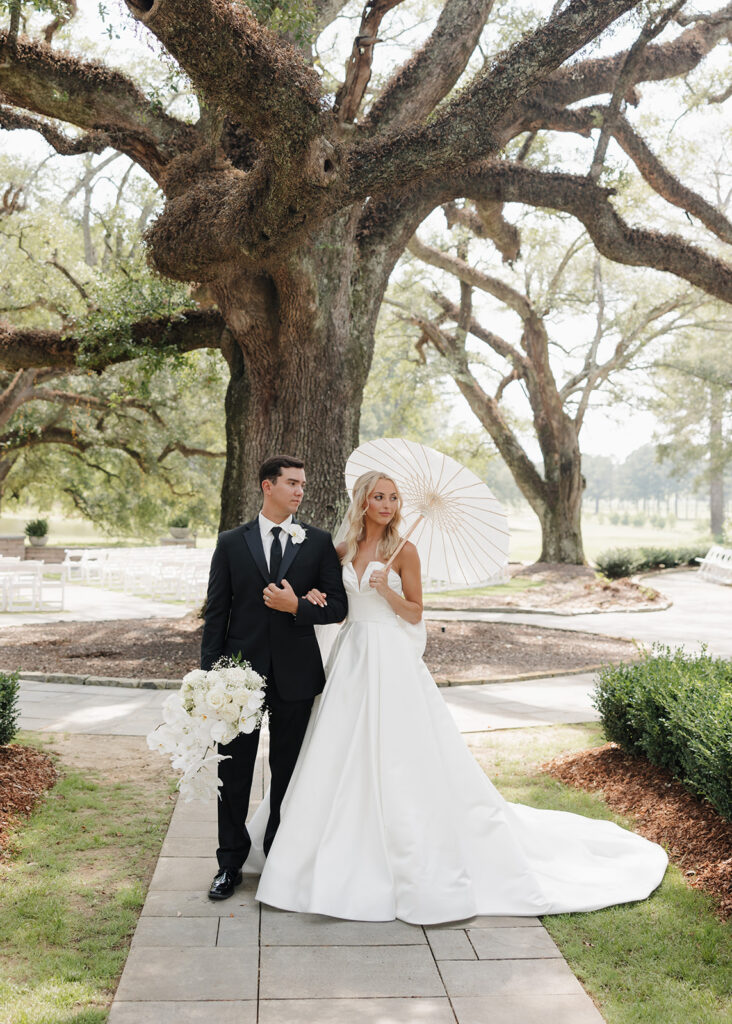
716,565
23,587
158,572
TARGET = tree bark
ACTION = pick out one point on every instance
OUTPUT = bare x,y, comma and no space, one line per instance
561,515
299,355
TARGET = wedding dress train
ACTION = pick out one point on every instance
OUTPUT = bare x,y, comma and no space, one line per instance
388,815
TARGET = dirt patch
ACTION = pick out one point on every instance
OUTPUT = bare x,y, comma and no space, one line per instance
25,776
167,649
698,838
501,650
568,589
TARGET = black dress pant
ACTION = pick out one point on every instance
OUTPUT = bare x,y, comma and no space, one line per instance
288,720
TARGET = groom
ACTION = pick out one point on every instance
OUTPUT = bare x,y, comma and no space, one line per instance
253,609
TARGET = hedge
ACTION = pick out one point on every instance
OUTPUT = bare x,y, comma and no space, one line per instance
9,690
618,562
676,709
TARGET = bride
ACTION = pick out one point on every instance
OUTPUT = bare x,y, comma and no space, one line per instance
387,814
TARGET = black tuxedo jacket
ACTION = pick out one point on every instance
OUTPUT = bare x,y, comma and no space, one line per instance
275,643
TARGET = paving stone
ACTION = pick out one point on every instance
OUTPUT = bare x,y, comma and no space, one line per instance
513,943
221,1012
281,928
355,1011
493,977
171,902
451,944
176,931
189,846
191,974
239,931
489,922
183,873
526,1008
184,828
196,810
348,972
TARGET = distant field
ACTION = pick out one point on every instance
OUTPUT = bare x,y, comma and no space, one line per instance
524,527
598,536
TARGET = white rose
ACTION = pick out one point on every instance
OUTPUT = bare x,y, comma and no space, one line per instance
216,698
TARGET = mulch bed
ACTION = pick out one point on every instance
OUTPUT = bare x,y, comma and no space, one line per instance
698,839
168,648
25,776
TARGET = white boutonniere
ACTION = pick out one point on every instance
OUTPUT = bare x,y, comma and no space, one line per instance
296,532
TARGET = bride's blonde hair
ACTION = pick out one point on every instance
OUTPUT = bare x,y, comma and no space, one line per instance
355,526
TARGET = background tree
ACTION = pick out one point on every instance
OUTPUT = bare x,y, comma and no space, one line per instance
556,361
692,400
125,446
291,198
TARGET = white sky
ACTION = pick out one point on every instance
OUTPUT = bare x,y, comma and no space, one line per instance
616,431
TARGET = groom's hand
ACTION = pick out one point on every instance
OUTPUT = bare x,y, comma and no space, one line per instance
282,599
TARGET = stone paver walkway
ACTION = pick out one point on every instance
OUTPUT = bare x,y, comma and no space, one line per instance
127,711
701,613
94,604
237,962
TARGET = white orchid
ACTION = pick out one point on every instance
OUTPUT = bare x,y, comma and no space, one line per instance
297,533
210,708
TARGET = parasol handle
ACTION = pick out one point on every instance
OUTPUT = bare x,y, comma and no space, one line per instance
403,541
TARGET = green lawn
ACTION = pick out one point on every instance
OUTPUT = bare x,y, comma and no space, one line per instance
667,960
600,535
72,891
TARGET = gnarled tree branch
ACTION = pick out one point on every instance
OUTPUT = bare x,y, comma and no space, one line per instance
95,98
428,76
590,204
241,66
661,180
21,347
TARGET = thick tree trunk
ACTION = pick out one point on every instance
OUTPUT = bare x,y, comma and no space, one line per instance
561,512
716,464
300,351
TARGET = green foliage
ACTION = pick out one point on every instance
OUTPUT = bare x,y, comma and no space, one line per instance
291,17
675,709
665,960
36,528
71,890
9,711
119,301
619,562
180,522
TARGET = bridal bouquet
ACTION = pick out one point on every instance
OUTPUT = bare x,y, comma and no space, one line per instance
210,707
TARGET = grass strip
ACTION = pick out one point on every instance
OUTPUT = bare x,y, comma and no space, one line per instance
72,888
667,959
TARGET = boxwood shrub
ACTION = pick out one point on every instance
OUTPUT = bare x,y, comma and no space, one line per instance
676,709
9,712
618,562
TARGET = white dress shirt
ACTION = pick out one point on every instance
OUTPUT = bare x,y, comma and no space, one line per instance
265,528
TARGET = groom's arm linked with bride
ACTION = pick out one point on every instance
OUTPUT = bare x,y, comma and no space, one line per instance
253,610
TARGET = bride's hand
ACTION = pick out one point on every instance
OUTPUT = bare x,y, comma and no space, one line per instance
317,597
379,580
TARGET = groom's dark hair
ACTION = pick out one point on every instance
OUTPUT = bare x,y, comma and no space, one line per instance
273,466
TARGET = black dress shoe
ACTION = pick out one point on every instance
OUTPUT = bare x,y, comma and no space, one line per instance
224,884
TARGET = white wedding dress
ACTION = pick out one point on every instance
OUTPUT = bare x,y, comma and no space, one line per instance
388,815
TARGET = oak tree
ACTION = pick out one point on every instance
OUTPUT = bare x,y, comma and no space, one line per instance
289,202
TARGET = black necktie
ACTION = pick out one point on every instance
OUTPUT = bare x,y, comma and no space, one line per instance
275,555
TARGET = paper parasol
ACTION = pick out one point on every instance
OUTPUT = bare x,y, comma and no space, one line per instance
459,528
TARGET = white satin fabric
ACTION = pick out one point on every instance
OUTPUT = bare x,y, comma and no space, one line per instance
388,815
